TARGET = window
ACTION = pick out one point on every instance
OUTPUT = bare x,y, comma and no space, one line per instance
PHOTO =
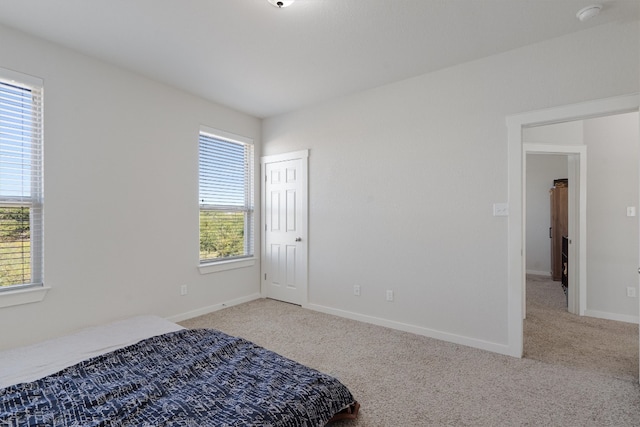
21,196
225,196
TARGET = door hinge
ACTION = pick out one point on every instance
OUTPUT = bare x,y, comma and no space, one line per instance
265,276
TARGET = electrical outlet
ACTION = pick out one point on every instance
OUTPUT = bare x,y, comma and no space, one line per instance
356,290
389,295
631,292
183,290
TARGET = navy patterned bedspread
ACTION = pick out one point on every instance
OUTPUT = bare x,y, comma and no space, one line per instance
186,378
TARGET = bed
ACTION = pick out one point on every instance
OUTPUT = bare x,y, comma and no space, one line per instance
147,371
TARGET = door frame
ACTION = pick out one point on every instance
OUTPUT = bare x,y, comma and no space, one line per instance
577,226
515,123
304,226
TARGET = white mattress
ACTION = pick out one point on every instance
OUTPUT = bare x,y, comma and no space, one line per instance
29,363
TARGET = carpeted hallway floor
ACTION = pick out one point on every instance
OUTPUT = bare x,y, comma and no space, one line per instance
553,335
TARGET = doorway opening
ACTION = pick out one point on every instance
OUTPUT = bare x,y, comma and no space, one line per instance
517,203
552,331
564,162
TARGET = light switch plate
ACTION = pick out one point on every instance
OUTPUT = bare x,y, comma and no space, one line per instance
631,211
500,209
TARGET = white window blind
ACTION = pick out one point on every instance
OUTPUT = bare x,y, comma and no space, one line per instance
21,189
225,197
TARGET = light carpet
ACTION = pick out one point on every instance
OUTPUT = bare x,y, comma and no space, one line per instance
553,335
402,379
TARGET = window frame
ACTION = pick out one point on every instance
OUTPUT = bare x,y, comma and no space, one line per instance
212,265
34,291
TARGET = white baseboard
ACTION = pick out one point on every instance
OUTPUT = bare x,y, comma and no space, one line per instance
539,273
612,316
210,309
418,330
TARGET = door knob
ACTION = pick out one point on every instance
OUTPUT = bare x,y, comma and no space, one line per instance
298,239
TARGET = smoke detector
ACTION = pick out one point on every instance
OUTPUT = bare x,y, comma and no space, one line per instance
281,3
586,12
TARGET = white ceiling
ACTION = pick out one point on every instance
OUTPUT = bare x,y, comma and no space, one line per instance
256,58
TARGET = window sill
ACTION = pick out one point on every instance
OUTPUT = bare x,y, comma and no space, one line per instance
215,267
23,296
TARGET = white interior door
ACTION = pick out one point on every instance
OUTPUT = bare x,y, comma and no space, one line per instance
284,257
